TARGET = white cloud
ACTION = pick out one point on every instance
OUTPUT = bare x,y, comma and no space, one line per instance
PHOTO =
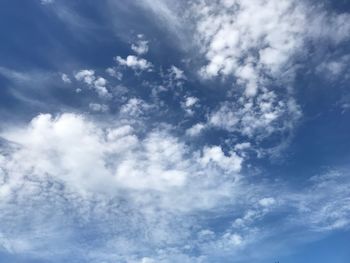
334,68
189,103
139,188
95,82
72,148
134,63
256,41
249,39
177,73
215,155
263,116
267,201
114,73
196,129
317,210
65,78
135,107
140,47
86,75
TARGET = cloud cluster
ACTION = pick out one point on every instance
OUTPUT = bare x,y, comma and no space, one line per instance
249,40
157,175
140,47
149,194
95,82
258,40
261,117
135,63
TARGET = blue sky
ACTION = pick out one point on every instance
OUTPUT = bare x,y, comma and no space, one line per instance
174,131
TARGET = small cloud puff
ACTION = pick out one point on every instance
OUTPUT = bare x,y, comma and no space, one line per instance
140,47
134,63
95,82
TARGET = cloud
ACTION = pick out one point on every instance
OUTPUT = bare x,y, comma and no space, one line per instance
259,118
65,78
196,129
114,73
215,155
140,47
134,63
334,68
177,73
69,161
258,40
58,145
98,107
189,104
317,210
146,192
135,107
250,47
267,201
95,82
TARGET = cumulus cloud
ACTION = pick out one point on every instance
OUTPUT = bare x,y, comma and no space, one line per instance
65,78
266,115
56,142
189,104
258,40
249,40
134,63
215,155
156,175
156,196
177,73
150,191
140,47
113,72
135,107
95,82
195,129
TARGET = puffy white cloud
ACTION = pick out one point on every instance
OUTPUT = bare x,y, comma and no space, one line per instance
65,78
77,151
267,201
135,63
107,174
249,39
114,73
257,40
263,116
215,155
195,129
189,103
150,192
86,75
94,82
135,107
140,47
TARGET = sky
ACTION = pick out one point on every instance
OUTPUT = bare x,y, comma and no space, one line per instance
189,131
